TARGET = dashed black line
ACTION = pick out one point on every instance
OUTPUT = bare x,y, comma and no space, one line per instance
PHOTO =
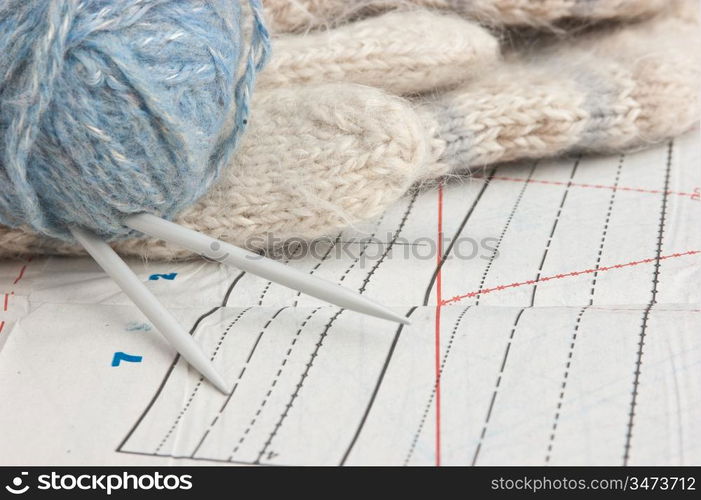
376,390
554,227
298,387
226,332
325,332
563,386
238,379
182,412
180,415
318,264
496,386
578,320
269,283
166,378
267,287
646,313
400,227
427,408
532,302
461,228
295,338
503,232
609,211
363,249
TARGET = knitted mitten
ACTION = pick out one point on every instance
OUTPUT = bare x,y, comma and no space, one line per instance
313,159
401,52
287,16
319,157
634,87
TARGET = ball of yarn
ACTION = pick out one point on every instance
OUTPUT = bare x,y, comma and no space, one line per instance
116,107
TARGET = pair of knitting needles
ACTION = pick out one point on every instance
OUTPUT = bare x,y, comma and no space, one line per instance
226,253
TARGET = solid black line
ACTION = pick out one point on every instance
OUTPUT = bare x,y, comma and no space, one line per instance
429,288
225,302
150,404
203,317
172,365
163,382
380,379
325,333
250,355
183,457
646,313
199,445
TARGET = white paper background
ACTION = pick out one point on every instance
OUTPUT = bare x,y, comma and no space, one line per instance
544,366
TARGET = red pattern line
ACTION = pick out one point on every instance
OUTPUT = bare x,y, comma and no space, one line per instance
499,288
6,301
439,303
21,273
696,196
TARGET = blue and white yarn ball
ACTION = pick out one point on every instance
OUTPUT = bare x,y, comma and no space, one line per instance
116,107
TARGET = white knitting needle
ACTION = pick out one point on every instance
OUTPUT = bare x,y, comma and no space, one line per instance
261,266
132,286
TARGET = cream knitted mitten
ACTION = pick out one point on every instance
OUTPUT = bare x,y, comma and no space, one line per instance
400,52
322,153
299,15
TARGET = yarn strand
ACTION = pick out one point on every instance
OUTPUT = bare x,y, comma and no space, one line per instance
115,107
256,58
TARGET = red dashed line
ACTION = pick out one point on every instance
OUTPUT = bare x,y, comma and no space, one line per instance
6,301
694,196
483,291
439,303
21,273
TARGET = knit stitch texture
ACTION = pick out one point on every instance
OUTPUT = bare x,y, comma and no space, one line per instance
324,150
112,108
287,16
408,46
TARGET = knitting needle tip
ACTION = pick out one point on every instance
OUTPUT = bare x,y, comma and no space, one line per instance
259,265
359,303
208,372
132,286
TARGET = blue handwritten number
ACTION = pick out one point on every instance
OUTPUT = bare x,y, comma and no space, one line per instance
169,276
123,356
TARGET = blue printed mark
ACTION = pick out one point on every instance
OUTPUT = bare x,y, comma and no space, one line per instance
135,326
169,276
123,356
